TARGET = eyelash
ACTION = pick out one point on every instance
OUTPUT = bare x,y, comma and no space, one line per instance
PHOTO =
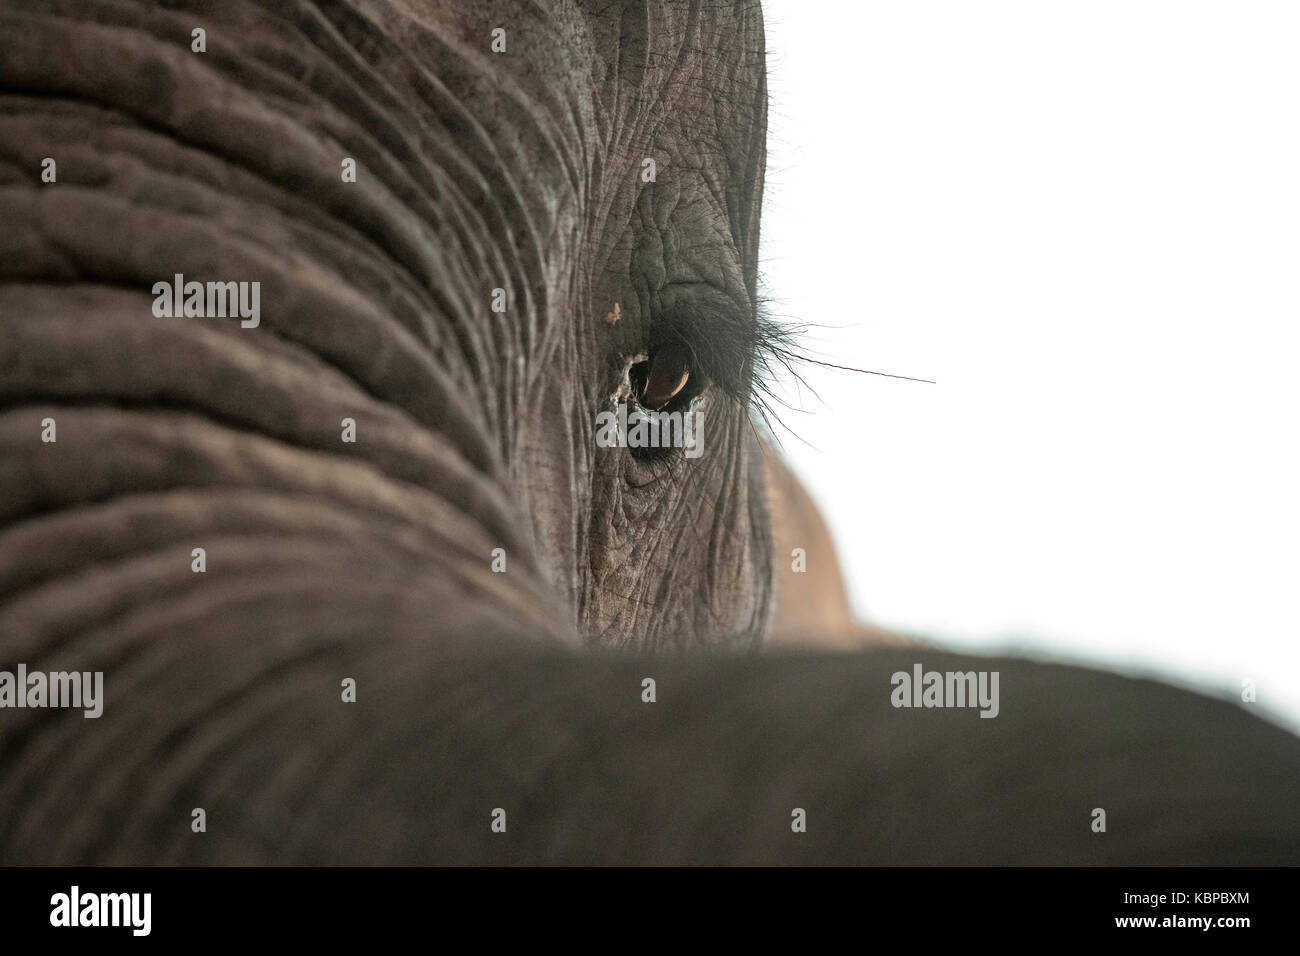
739,357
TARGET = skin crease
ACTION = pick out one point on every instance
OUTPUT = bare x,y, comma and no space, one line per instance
372,560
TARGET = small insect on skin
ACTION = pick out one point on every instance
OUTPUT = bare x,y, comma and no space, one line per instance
612,317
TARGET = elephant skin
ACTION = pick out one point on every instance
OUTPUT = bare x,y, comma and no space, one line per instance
479,686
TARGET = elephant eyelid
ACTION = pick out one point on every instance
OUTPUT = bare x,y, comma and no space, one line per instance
739,351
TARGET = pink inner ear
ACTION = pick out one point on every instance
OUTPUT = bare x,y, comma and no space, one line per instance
667,378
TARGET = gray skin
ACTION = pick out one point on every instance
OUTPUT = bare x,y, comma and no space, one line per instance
326,560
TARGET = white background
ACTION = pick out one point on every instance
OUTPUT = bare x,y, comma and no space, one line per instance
1082,220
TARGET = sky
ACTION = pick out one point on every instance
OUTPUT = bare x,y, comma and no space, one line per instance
1082,220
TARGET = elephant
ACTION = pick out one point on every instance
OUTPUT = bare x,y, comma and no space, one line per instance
362,582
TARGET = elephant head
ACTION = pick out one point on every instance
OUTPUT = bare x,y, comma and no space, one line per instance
362,569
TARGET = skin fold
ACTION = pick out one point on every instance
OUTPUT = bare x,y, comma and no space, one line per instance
476,688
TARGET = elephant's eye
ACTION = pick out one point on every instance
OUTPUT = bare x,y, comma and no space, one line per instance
666,375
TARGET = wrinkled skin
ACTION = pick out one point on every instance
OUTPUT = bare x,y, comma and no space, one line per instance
372,560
